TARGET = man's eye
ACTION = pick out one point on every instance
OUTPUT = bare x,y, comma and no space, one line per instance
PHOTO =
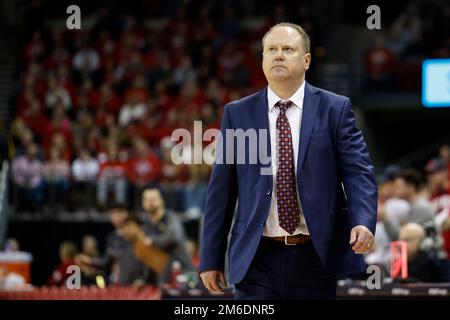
288,49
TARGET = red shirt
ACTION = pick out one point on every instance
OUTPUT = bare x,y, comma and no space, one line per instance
147,169
60,275
440,202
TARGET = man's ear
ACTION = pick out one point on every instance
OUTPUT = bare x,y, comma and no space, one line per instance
307,58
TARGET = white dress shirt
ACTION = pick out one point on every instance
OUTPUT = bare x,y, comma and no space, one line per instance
294,115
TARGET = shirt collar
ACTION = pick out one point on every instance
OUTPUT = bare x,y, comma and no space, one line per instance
296,98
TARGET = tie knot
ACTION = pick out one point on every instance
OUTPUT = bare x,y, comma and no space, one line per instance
284,105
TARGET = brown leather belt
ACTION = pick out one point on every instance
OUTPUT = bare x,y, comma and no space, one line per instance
291,240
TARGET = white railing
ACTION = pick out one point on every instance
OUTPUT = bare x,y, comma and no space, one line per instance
3,200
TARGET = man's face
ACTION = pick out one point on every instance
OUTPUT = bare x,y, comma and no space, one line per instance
118,216
284,58
151,201
401,188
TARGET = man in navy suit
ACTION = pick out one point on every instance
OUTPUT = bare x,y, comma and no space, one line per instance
314,213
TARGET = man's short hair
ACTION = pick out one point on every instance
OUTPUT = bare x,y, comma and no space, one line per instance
305,38
156,188
412,177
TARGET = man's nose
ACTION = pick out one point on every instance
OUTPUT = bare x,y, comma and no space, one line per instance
279,55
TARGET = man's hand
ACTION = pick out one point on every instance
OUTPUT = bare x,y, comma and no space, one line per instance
362,239
83,259
214,281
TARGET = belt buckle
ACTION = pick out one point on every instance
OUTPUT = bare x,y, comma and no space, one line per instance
288,244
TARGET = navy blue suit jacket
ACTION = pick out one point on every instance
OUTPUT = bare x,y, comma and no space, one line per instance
332,153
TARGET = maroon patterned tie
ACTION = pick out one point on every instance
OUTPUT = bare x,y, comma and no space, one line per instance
287,202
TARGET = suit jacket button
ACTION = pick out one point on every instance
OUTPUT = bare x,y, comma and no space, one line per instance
269,192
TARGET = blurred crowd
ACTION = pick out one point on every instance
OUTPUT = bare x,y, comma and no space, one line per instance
414,206
420,31
95,108
149,248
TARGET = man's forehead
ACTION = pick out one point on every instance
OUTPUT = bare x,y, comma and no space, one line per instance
283,35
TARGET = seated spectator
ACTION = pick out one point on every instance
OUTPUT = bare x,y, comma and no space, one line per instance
379,65
67,253
111,176
56,172
196,189
422,266
390,209
108,100
59,124
143,169
132,110
57,94
11,245
444,154
173,177
84,177
118,260
86,62
27,175
437,176
164,230
84,124
34,117
24,139
89,246
407,186
85,167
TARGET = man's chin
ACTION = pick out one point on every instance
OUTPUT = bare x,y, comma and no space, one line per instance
279,76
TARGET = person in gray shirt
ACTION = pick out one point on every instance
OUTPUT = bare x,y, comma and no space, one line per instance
119,256
165,230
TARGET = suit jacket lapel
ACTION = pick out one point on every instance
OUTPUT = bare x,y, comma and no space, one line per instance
310,106
262,122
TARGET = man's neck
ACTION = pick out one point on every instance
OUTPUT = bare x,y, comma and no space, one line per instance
285,90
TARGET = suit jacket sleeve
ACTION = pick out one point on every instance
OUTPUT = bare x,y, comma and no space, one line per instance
220,202
357,171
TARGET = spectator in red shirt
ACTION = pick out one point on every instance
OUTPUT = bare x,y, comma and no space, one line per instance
34,117
108,100
67,253
143,169
59,124
379,65
437,176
